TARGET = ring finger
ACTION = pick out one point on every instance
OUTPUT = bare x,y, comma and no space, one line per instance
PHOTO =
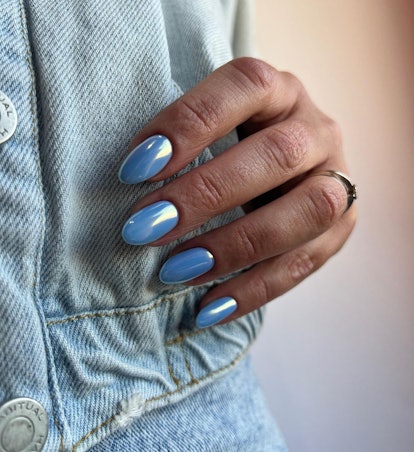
300,216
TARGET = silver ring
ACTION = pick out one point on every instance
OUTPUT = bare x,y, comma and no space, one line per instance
350,188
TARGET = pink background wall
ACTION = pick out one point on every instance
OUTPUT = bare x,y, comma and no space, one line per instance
336,357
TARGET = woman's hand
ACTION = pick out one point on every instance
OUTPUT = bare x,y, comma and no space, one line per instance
285,138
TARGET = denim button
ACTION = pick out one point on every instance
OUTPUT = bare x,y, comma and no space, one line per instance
23,425
8,118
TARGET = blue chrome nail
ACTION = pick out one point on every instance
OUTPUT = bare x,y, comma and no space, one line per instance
146,160
186,265
150,223
216,311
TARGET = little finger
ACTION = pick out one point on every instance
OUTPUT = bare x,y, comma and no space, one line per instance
271,278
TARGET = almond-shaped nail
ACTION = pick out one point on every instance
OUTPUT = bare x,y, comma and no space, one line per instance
150,223
216,311
187,265
146,160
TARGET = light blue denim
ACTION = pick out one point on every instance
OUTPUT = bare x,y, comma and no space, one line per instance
88,330
230,415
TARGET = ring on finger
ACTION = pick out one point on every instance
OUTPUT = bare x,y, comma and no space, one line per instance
350,188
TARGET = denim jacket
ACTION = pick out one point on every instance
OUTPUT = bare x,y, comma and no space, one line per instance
87,329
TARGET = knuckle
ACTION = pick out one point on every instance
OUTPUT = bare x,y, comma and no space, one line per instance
197,114
206,192
301,264
256,72
246,240
263,288
327,203
289,145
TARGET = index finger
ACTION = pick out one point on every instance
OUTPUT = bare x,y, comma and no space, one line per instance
245,88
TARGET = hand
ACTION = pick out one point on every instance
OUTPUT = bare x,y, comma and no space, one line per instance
285,137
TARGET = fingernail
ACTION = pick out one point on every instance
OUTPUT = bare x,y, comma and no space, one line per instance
186,265
216,311
146,160
150,223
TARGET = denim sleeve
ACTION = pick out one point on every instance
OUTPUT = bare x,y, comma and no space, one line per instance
88,330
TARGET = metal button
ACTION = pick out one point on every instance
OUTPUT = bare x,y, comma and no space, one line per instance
23,426
8,118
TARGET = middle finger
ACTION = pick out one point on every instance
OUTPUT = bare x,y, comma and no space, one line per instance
252,167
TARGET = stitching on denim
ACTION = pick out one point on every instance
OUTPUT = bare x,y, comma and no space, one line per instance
165,395
177,340
170,342
36,276
22,17
186,363
143,310
183,336
61,444
174,378
84,438
95,315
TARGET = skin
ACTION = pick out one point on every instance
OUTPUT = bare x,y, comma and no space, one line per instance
285,137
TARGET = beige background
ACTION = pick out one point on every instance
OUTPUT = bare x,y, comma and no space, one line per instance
336,357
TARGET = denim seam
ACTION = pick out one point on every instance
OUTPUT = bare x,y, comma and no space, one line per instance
61,439
37,270
143,310
183,336
108,314
169,299
163,396
174,378
187,364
